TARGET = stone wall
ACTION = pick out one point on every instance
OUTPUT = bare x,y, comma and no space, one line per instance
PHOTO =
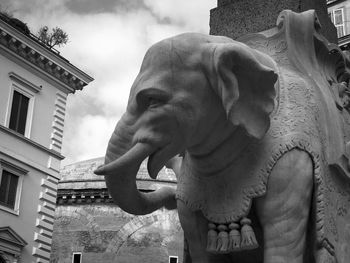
87,221
106,234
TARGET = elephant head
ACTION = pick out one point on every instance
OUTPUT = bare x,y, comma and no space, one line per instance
193,92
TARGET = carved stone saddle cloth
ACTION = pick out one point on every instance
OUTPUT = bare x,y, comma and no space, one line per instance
226,197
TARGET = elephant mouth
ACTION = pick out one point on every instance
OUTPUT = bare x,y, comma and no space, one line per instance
151,165
157,160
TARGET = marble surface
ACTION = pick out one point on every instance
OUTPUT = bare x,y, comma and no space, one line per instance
235,18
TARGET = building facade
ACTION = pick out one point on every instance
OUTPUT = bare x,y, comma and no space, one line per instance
89,228
35,82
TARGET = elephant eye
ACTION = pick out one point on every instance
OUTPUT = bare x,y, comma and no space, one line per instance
151,98
153,102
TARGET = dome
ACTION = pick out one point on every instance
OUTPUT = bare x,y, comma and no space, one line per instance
81,175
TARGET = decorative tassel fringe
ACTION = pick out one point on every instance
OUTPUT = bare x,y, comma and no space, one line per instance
212,238
248,236
222,244
221,241
234,238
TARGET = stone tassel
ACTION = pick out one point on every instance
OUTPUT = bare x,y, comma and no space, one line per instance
234,238
222,244
212,238
248,240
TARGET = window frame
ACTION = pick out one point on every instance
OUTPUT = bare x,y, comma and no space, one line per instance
176,257
77,253
31,96
342,25
17,171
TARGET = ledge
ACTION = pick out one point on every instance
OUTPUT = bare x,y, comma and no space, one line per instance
85,196
15,77
344,40
17,168
31,142
333,2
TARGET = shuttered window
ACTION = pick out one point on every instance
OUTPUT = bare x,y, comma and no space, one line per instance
19,111
337,17
8,189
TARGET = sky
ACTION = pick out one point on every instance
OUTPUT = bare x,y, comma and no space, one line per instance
107,40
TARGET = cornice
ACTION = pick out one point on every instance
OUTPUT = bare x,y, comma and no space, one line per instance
334,2
18,169
42,58
74,196
345,40
17,78
85,196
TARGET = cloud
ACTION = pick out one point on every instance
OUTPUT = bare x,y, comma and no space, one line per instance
107,39
104,6
90,139
190,15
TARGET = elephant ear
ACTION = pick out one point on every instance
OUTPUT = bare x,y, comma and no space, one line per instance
245,86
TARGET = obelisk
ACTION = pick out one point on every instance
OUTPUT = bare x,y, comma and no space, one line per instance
234,18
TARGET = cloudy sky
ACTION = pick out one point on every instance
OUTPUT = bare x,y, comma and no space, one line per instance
107,40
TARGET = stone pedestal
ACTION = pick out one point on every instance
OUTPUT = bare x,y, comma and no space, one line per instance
234,18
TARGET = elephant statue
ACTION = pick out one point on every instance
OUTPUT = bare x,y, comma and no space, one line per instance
262,127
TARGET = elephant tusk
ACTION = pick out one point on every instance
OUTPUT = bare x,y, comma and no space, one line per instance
120,175
135,156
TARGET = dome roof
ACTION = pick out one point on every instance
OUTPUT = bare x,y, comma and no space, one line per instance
81,175
82,170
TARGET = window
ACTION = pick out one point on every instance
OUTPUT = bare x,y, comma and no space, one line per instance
19,112
337,17
76,257
20,105
8,189
173,259
11,177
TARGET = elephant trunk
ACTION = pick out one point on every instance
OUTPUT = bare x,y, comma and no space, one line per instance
120,172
